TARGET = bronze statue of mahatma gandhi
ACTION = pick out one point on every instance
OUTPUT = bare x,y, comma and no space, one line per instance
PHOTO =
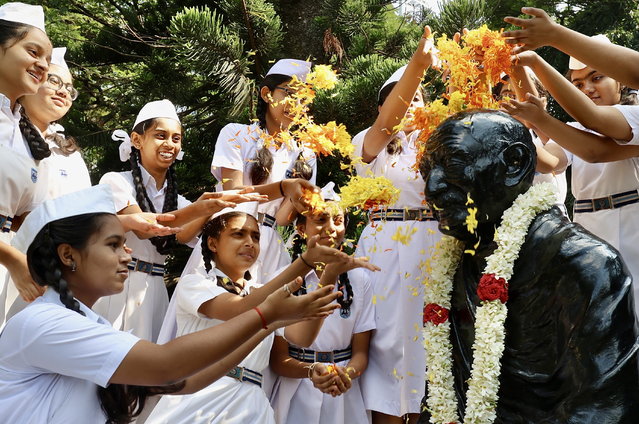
571,345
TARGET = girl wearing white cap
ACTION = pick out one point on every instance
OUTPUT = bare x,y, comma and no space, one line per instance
602,150
241,158
320,384
25,50
60,362
65,170
151,186
221,290
393,384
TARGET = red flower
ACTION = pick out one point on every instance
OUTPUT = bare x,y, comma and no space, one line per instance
435,314
491,288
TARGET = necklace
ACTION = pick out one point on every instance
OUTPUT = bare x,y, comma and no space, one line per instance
481,397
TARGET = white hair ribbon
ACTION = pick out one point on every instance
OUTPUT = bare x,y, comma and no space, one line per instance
125,144
328,193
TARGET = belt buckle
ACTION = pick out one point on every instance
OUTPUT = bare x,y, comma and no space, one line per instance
602,203
146,267
324,356
237,373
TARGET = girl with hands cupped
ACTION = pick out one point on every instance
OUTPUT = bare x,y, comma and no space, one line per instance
319,377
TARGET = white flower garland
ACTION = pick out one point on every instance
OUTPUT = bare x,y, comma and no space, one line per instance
489,320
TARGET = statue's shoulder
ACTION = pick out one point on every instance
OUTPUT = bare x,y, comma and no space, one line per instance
571,248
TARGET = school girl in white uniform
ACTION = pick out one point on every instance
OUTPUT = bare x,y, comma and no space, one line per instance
65,170
241,159
207,298
605,169
23,66
393,384
80,369
307,391
150,186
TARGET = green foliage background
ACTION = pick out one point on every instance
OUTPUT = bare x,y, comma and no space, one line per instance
208,56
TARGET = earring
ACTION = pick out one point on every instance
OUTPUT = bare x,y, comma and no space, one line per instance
73,266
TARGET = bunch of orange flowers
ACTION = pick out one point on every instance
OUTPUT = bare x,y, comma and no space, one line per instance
475,65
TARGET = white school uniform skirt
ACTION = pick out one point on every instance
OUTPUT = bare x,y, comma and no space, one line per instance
394,382
620,228
295,400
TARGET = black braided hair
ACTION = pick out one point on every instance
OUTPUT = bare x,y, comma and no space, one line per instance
165,244
212,229
120,402
297,249
38,147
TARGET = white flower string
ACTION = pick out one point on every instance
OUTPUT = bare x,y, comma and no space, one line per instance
488,347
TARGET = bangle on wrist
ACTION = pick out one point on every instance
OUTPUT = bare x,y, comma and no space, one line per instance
311,368
305,262
282,188
261,318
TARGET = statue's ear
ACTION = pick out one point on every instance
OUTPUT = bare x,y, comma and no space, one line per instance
518,160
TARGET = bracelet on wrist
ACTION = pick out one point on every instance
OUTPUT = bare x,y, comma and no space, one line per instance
282,188
311,368
261,318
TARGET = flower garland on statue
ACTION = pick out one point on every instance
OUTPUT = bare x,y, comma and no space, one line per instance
490,315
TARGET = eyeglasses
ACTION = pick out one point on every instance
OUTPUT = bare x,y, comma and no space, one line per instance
288,91
55,82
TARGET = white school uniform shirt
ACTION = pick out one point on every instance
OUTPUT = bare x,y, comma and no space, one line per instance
141,306
296,400
66,173
53,359
227,400
235,149
394,381
22,183
619,227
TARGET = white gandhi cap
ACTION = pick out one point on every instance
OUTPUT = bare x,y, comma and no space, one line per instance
24,14
392,79
157,109
96,199
290,67
575,65
57,57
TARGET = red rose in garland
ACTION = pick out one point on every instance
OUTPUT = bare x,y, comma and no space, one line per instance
435,314
491,288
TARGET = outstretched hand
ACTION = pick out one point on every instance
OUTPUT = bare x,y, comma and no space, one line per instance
532,110
426,52
287,308
534,33
149,224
